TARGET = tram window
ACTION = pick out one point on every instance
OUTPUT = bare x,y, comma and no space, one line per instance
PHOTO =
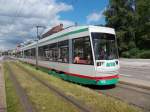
47,54
19,54
82,52
50,54
33,53
27,53
105,46
53,52
43,52
63,51
40,53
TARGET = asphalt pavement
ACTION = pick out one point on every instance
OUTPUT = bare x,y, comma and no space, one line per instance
135,71
135,68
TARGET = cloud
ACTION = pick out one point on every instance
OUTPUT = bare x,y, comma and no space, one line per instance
95,16
18,18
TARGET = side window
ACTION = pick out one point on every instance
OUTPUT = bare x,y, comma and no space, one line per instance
63,51
33,53
50,52
82,52
27,53
40,53
43,52
53,52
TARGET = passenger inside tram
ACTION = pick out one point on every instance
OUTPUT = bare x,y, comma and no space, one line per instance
102,54
77,59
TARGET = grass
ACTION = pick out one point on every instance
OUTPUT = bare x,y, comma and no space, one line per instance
98,102
41,97
13,102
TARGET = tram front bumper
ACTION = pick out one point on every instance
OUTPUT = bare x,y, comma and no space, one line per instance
107,81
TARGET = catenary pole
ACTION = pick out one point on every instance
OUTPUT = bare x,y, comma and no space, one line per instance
37,42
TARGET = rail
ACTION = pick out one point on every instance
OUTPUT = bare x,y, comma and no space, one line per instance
27,105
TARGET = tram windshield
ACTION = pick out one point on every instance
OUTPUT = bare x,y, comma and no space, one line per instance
105,47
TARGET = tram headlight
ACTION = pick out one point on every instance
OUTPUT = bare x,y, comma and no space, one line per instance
99,63
116,62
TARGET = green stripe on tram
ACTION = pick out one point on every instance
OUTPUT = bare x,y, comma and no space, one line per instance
107,82
69,33
66,34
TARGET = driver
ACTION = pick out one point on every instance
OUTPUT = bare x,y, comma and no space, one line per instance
102,53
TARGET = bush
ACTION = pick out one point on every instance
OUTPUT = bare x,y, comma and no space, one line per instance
144,54
125,54
132,45
133,52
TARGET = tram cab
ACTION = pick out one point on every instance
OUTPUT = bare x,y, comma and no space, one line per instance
105,53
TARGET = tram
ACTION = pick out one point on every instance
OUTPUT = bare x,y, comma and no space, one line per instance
81,54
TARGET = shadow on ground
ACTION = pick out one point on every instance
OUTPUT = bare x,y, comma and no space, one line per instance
100,87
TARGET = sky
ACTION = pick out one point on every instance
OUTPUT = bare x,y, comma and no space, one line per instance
19,18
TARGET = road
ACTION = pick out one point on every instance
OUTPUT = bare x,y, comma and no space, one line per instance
135,68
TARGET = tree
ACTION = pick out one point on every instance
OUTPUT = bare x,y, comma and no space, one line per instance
120,15
143,24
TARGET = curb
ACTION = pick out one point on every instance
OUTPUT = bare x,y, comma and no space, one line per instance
135,85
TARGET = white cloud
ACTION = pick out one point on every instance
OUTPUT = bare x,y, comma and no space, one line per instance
18,18
95,16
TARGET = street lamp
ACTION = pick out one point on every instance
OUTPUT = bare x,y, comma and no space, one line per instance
38,37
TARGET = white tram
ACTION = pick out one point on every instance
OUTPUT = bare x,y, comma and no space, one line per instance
82,54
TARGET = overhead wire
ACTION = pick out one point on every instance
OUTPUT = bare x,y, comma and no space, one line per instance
16,15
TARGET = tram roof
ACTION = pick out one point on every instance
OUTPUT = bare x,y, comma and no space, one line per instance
73,30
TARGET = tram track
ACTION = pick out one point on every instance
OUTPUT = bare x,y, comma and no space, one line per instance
133,95
27,105
134,88
140,90
75,102
145,110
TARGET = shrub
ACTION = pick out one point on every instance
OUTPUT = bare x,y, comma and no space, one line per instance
125,54
132,45
133,52
144,54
